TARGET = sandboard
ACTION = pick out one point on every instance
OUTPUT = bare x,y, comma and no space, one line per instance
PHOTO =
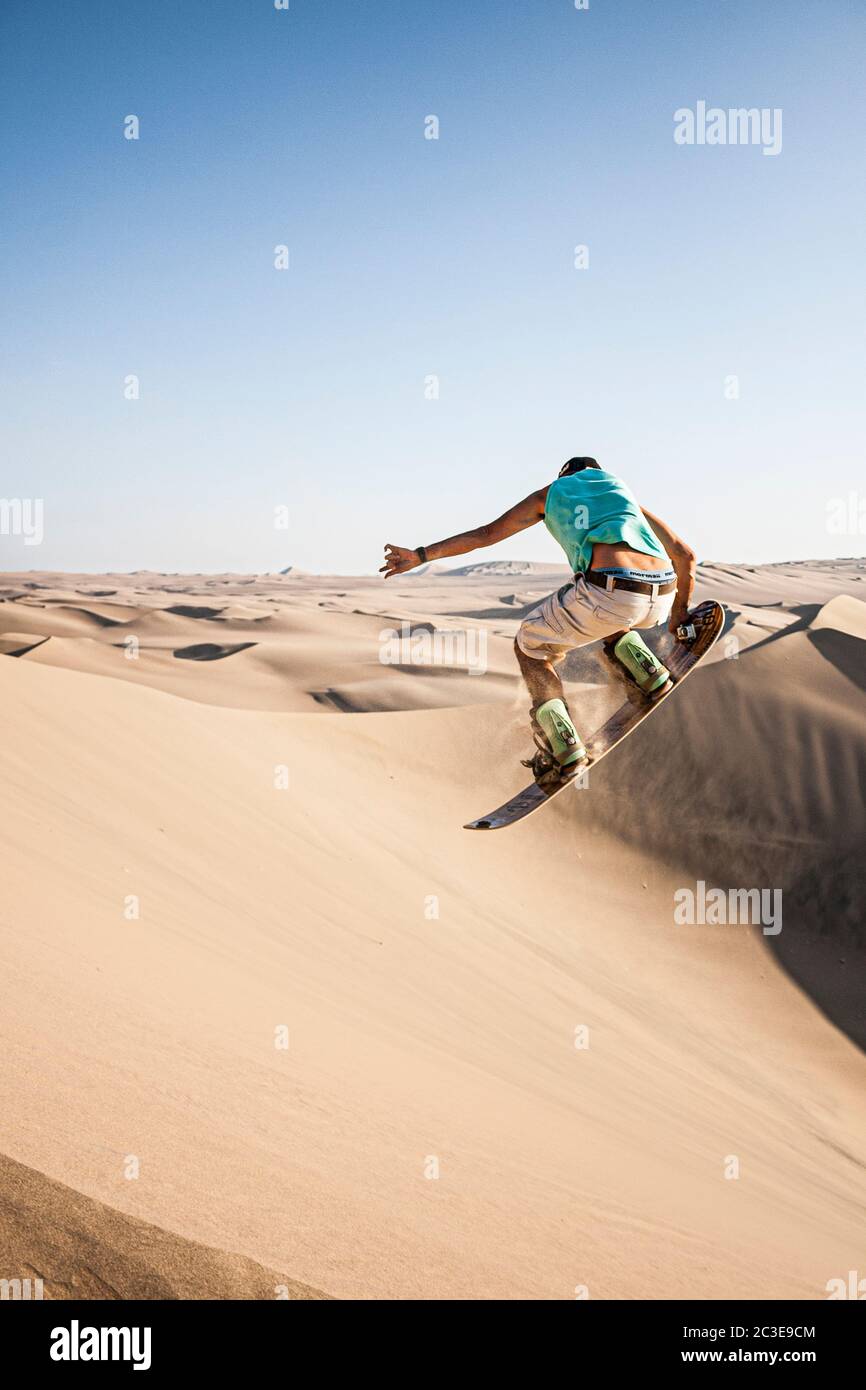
707,619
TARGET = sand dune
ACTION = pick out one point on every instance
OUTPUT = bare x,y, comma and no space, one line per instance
843,614
18,643
82,1249
189,870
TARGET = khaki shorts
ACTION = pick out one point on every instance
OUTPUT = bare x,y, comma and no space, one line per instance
580,613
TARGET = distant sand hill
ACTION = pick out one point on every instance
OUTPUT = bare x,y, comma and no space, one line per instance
267,1007
506,567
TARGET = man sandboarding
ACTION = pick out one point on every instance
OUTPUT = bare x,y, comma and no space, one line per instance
630,571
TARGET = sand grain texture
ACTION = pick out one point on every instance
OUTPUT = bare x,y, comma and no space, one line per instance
81,1249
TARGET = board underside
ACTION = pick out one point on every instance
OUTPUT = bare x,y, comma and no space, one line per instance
682,658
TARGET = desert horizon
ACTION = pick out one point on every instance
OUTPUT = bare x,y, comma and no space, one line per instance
442,568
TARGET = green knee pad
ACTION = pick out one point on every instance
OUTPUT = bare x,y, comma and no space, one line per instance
565,742
637,658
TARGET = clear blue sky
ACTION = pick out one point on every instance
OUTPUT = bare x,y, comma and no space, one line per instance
412,257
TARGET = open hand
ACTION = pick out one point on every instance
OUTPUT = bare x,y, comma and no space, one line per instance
398,560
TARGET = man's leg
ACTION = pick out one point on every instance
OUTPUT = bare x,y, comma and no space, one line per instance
642,666
552,725
542,682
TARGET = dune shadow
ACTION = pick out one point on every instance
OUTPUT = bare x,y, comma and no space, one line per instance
405,627
845,652
209,651
189,610
98,619
504,611
743,784
334,700
8,646
84,1250
806,611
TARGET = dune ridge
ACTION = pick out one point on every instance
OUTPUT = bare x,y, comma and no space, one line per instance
81,1249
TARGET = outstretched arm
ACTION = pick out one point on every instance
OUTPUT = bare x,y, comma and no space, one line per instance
683,560
398,559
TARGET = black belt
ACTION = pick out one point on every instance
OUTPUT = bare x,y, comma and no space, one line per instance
635,586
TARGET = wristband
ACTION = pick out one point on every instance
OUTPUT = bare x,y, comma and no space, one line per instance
422,555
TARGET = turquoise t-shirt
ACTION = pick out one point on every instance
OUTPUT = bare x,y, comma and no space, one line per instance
593,506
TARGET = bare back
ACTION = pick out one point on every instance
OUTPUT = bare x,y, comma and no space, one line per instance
613,556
